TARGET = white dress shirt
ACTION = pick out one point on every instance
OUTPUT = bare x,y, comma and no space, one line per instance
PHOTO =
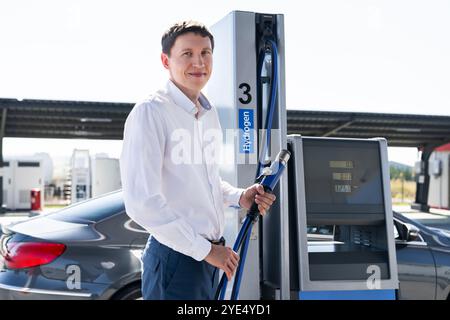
180,204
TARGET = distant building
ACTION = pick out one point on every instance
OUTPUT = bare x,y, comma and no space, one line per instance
20,175
439,171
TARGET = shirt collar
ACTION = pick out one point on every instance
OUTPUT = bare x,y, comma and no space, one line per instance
184,102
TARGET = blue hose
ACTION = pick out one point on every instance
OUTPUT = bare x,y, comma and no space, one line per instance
237,285
273,93
237,243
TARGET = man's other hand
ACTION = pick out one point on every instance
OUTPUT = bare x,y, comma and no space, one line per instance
223,258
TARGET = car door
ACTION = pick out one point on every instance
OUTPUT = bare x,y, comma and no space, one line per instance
416,267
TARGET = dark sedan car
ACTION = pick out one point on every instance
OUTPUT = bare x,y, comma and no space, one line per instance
91,250
423,258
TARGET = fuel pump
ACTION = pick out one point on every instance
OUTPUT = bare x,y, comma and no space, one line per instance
335,190
247,88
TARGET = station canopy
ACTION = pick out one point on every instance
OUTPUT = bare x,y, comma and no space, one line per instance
105,120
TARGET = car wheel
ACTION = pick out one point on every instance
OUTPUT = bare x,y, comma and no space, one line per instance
130,292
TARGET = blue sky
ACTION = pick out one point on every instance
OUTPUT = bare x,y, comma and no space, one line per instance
346,55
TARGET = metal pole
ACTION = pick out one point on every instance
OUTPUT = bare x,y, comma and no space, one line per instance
2,134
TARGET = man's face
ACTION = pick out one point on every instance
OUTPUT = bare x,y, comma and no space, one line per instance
190,62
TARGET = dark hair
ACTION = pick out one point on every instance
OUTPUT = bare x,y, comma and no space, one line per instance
169,37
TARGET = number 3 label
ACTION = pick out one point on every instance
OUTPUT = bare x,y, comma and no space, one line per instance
246,93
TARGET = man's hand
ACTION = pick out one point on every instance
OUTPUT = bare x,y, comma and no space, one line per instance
256,192
223,258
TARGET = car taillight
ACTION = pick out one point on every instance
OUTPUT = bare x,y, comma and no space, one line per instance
31,254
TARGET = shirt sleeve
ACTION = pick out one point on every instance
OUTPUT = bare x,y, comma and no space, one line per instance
231,195
141,164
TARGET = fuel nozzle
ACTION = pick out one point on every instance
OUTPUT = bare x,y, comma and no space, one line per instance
276,170
283,156
270,180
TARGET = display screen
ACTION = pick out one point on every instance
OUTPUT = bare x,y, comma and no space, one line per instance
342,176
341,164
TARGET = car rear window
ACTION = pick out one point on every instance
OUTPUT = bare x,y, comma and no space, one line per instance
91,210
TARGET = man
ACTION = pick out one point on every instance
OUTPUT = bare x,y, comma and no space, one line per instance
180,204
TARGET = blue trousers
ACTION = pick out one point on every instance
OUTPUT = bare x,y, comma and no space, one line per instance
171,275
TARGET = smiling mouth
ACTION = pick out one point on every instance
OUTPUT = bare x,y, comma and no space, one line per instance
197,74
